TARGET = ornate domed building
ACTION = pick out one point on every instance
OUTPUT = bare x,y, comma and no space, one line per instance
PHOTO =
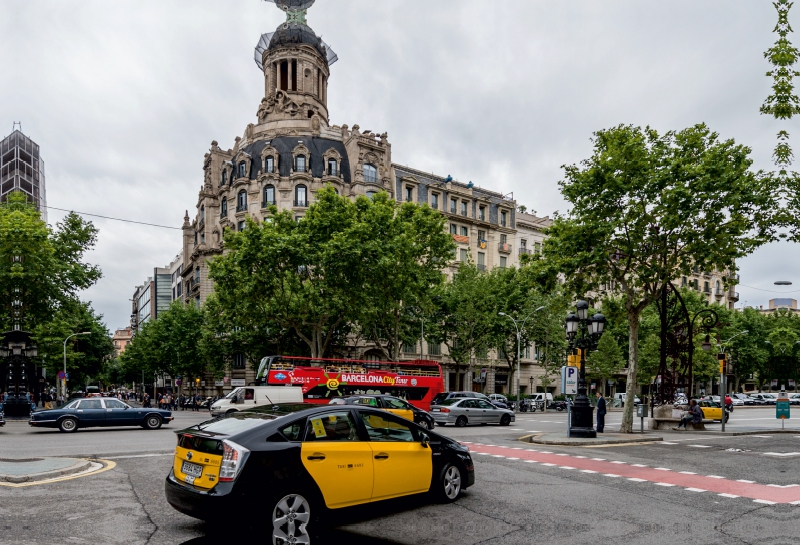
292,150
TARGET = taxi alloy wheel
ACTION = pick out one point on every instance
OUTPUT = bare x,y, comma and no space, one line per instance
449,483
153,422
290,520
68,425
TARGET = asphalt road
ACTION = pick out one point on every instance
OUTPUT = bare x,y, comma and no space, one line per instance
516,499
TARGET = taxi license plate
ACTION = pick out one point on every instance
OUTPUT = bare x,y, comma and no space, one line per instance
192,470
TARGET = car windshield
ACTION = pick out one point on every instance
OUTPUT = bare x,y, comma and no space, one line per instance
234,393
451,401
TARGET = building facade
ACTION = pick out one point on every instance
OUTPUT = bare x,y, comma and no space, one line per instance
291,150
150,299
22,169
121,339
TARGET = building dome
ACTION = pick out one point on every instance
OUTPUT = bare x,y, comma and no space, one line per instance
292,34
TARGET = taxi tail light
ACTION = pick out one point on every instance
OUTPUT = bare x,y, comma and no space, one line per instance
233,457
444,410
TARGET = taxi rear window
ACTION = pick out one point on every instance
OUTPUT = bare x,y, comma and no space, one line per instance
234,423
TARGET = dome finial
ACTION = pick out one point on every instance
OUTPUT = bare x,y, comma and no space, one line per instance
295,10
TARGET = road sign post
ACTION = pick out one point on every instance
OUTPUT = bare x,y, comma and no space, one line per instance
569,386
783,409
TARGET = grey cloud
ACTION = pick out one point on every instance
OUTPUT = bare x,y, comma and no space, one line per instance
125,97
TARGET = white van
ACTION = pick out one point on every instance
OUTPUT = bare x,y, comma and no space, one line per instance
621,398
539,397
246,397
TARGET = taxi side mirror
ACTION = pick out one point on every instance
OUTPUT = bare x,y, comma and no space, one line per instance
424,440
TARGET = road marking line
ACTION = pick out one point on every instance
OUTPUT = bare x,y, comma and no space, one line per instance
561,454
687,472
565,467
497,456
782,486
513,458
699,446
617,462
587,471
534,431
781,454
637,480
662,469
549,465
483,453
667,443
515,429
609,475
599,459
638,465
767,502
516,448
584,457
714,477
745,481
530,461
695,489
545,452
728,495
663,484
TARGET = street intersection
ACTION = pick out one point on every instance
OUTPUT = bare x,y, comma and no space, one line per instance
698,486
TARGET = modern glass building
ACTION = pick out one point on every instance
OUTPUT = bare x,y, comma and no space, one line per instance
22,169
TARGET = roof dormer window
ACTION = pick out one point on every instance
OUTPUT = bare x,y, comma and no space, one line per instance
333,167
242,169
300,163
270,165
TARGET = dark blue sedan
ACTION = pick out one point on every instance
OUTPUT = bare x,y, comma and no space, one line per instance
98,411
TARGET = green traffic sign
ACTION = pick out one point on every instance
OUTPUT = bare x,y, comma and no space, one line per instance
782,409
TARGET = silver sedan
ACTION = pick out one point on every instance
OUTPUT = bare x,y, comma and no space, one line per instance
465,410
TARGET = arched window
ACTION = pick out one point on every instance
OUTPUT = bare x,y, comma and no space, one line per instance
224,208
241,201
332,167
371,194
203,213
300,163
242,169
719,289
370,174
300,196
224,177
270,166
269,195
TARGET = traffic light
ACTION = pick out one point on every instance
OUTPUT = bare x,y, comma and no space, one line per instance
197,381
723,363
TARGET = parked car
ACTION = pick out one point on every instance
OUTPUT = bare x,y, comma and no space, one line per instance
744,398
98,411
462,411
794,399
474,395
621,398
713,411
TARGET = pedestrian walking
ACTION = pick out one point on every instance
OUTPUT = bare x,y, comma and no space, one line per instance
601,412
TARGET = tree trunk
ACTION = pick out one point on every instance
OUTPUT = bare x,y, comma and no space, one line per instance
633,365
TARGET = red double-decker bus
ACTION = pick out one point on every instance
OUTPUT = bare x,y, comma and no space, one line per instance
322,379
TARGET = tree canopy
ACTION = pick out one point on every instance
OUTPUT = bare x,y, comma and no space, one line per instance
647,208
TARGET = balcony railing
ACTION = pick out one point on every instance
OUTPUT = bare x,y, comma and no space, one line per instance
452,209
435,205
524,251
481,268
733,296
504,248
464,213
719,292
267,203
241,208
301,203
706,290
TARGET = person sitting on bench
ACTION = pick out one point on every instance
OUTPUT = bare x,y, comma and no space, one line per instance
695,415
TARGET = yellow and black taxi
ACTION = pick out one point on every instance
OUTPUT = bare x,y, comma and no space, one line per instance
296,464
394,405
713,410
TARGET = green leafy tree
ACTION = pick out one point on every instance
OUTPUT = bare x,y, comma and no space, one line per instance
41,269
606,361
648,208
402,249
87,355
170,345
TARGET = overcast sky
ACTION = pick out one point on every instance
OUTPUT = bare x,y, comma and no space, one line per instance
125,97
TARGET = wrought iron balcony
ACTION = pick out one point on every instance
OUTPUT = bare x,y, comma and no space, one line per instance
504,248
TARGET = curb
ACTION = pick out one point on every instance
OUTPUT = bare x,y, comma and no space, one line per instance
581,442
81,465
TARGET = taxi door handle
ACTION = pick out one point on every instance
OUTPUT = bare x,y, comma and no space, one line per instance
382,456
316,457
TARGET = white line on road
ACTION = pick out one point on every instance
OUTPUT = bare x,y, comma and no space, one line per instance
728,495
766,502
663,484
695,489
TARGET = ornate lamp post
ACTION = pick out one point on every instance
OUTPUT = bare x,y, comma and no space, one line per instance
583,333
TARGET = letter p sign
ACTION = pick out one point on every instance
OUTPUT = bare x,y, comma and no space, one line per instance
569,380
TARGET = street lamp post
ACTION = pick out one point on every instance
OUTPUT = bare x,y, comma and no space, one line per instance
591,329
518,342
64,387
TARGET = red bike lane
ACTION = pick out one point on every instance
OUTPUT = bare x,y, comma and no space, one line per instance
692,482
